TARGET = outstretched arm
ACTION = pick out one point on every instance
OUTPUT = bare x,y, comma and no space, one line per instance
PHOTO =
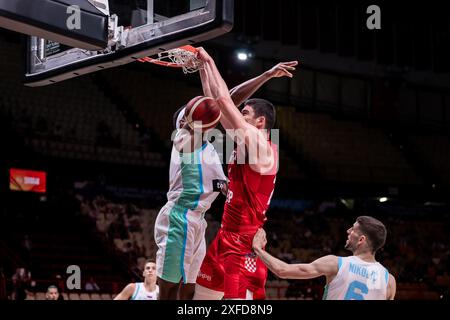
239,94
245,90
127,292
324,266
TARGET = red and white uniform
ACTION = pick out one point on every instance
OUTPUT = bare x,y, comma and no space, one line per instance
230,265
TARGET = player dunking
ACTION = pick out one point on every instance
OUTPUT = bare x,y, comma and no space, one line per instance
358,277
196,178
230,268
180,226
147,290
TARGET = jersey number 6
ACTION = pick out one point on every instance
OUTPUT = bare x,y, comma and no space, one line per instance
352,294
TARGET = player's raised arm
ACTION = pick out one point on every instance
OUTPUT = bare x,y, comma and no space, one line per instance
220,92
127,292
209,92
324,266
245,90
245,126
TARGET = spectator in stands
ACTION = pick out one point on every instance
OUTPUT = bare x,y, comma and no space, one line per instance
21,283
358,277
52,293
91,285
60,284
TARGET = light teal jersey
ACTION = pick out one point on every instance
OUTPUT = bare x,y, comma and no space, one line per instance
195,180
358,280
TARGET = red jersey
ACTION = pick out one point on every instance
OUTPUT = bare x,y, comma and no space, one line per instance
249,195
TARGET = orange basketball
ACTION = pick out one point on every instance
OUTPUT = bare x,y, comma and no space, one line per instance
202,113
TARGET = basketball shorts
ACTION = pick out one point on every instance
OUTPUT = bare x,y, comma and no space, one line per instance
180,237
231,267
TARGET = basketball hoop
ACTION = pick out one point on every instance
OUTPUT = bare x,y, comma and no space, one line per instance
183,57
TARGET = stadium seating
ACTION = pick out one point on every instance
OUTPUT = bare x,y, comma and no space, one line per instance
332,143
72,119
434,149
74,296
40,296
95,296
85,296
304,239
106,296
155,109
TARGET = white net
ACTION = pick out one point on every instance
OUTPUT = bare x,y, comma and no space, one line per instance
184,58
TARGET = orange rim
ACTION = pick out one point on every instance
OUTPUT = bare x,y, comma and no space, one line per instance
189,48
159,62
167,63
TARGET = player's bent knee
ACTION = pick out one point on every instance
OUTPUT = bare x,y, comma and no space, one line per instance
203,293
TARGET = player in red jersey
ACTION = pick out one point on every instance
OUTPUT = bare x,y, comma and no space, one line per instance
231,269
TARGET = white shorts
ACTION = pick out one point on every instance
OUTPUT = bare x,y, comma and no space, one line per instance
180,237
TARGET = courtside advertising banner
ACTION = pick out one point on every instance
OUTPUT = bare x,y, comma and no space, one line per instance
27,180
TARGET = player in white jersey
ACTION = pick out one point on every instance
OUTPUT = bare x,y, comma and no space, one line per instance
147,290
357,277
196,178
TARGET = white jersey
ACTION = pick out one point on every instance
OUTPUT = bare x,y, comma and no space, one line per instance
195,182
358,280
140,293
195,178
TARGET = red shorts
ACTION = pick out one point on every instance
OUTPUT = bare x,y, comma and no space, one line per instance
230,266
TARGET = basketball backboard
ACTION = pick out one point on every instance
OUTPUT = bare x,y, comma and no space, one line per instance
136,29
59,20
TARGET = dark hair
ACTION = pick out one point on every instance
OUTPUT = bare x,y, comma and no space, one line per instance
150,261
52,287
175,116
263,108
374,230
